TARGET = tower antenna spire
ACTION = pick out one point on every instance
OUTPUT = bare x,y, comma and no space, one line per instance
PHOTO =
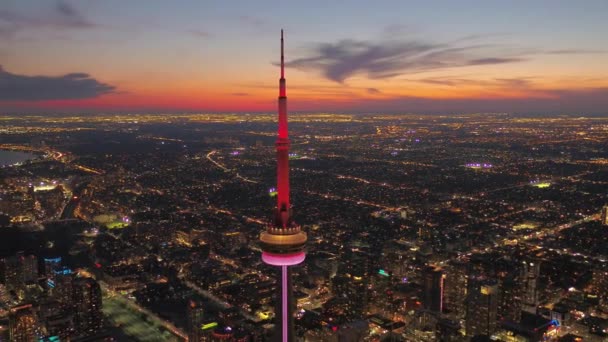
282,58
282,145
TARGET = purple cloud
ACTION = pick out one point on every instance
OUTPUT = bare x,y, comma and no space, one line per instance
493,83
199,33
494,60
71,16
15,87
62,16
574,52
346,58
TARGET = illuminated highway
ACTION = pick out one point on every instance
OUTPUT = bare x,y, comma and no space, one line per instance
237,175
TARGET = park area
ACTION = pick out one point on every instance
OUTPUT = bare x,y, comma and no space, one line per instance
133,323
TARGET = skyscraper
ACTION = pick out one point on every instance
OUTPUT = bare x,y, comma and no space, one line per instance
195,321
352,283
283,241
50,266
62,286
604,215
529,287
482,307
86,297
19,270
30,268
456,286
433,278
22,323
509,304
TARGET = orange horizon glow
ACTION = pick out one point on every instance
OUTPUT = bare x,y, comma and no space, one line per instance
224,57
264,99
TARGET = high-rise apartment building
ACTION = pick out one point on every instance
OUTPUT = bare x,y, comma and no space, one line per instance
482,307
195,321
86,299
22,323
433,282
529,278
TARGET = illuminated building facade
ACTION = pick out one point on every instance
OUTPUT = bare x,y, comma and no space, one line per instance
60,326
482,307
86,297
433,279
30,268
352,284
283,241
195,321
456,289
50,266
58,280
62,290
599,283
530,276
604,215
20,270
509,306
22,323
448,331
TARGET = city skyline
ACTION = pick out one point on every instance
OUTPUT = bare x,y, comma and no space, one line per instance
419,228
397,57
440,173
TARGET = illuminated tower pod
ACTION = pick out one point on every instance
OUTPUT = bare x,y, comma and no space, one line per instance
283,241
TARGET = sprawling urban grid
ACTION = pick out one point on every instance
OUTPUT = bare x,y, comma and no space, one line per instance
482,227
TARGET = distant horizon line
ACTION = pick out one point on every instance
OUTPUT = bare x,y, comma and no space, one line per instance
187,113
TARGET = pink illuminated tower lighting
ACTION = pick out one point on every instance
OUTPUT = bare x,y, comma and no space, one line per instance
283,241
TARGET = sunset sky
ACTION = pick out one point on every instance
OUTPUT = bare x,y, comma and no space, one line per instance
342,56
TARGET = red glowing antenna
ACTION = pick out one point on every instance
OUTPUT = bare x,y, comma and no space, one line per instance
282,92
282,145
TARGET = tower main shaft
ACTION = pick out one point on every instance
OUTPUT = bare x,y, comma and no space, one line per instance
282,147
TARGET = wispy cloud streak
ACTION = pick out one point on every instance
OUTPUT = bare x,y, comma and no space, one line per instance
63,15
199,33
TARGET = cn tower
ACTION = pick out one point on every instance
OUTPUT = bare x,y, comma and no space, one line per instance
283,241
